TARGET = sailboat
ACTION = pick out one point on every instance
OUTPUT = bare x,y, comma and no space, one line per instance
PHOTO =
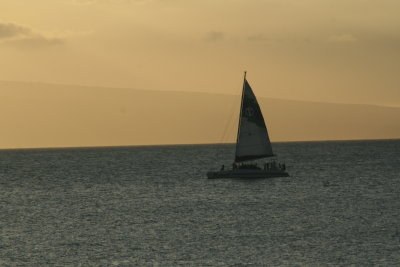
252,144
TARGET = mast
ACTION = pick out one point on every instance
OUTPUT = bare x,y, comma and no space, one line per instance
240,114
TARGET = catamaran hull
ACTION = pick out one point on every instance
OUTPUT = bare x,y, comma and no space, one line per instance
246,174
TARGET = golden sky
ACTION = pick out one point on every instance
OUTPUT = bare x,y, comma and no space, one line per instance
340,51
345,51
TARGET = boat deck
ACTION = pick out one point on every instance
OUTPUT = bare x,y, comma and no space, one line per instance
246,174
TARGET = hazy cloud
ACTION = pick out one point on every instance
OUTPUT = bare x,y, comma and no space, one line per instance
10,30
37,41
279,39
214,36
258,38
342,38
24,36
85,2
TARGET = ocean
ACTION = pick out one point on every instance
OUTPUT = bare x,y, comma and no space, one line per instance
154,206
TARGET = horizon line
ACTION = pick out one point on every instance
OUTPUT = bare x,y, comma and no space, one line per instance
193,144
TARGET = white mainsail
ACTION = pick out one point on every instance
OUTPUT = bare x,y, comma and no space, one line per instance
252,140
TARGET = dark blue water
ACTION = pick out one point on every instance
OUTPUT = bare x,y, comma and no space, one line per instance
154,206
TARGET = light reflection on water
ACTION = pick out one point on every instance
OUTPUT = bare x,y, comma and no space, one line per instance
153,205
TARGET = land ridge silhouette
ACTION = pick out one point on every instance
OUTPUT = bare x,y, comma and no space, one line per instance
55,115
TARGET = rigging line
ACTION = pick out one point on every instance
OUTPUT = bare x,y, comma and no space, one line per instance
219,150
232,112
226,133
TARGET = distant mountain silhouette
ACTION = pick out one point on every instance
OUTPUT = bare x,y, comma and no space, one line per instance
51,115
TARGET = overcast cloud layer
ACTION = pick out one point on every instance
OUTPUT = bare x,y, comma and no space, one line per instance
333,50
